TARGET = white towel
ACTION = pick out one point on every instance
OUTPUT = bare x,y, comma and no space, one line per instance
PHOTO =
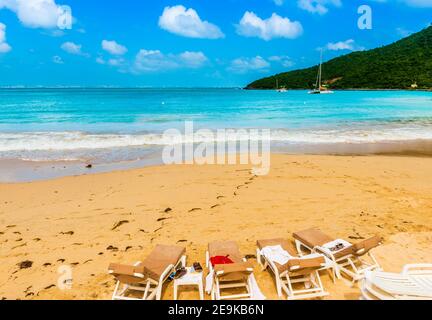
276,254
282,257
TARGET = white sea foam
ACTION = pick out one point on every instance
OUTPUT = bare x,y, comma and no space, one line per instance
70,141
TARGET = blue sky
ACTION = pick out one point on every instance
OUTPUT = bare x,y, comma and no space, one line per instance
187,42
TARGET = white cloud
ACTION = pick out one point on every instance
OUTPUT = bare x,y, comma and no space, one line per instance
116,62
58,60
193,59
155,60
35,13
412,3
100,60
279,2
73,48
187,23
344,45
318,6
113,47
244,65
284,61
4,46
274,27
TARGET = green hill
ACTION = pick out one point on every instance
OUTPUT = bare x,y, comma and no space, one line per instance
396,66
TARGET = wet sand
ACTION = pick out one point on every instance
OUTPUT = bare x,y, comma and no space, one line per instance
71,221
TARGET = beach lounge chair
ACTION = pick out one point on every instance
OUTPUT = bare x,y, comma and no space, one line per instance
226,277
414,283
148,276
351,259
295,272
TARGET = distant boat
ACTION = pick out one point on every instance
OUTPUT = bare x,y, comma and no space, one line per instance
283,89
319,88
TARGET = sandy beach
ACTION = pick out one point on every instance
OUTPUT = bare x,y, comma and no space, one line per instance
88,221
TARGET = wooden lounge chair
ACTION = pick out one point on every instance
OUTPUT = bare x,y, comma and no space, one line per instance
350,259
414,283
229,276
296,271
148,276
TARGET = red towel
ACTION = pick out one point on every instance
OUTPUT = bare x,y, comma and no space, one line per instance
220,260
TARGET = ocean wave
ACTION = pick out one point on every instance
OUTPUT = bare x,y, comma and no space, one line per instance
69,141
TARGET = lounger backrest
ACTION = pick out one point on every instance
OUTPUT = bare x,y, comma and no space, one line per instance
160,258
225,248
312,237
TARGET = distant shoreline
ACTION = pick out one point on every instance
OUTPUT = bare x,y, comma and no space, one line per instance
351,89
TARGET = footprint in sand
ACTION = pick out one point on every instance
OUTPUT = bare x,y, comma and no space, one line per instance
195,209
25,264
215,206
119,224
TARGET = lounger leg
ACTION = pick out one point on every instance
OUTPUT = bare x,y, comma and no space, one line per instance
201,291
146,291
278,286
299,247
159,291
115,290
258,254
175,291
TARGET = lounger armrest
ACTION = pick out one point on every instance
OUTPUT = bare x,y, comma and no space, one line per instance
367,245
418,269
126,270
311,263
224,269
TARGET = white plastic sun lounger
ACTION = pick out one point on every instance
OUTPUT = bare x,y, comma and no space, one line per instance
148,276
225,278
414,283
352,260
298,278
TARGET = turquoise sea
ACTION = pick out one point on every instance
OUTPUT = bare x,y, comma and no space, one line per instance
109,125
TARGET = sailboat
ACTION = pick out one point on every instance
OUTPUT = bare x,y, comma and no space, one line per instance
280,89
319,88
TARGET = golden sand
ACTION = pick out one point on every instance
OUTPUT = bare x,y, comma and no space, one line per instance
70,221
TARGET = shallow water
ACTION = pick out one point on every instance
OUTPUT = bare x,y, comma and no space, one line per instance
112,125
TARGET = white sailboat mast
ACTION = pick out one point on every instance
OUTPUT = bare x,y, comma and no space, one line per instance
320,71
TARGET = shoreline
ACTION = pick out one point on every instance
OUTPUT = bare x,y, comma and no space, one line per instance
348,89
24,171
69,221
